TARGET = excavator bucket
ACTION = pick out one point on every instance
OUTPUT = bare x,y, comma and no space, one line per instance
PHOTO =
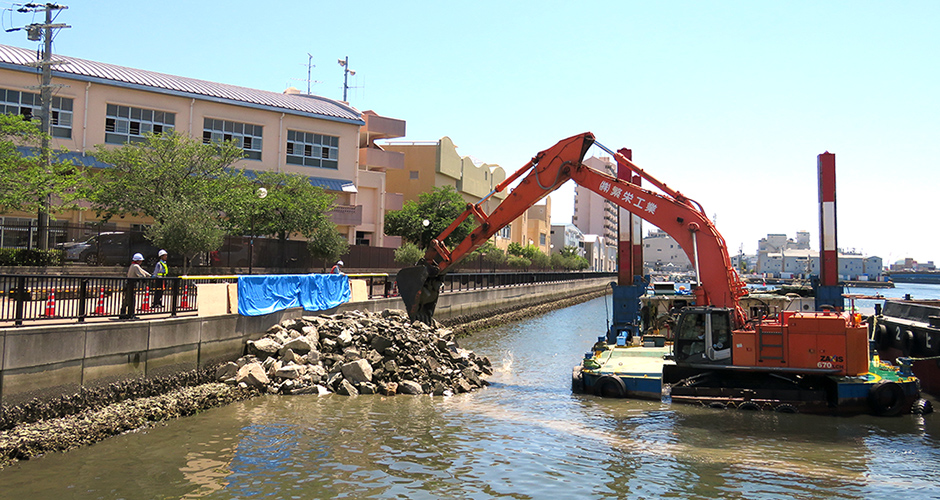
419,291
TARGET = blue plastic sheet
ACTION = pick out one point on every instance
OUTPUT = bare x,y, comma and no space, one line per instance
258,295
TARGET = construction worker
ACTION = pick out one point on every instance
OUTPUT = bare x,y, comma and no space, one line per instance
134,272
160,271
336,267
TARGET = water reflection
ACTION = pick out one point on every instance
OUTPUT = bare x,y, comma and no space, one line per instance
526,436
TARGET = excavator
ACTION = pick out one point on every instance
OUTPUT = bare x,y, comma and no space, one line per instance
810,362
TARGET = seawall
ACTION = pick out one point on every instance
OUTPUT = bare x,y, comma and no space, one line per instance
50,361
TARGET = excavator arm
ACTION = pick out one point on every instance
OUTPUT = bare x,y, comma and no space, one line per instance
672,212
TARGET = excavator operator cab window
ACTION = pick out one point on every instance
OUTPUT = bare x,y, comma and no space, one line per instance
704,336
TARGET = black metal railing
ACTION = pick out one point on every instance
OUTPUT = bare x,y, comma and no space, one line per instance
35,299
42,298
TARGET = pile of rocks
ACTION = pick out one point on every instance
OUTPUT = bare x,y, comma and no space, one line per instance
357,353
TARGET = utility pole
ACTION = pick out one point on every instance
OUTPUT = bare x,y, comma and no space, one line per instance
35,33
346,72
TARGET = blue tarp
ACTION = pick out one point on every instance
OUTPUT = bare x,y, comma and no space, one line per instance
259,295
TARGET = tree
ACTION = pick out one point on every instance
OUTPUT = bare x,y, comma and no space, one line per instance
408,254
540,260
162,171
440,208
25,183
518,262
488,254
187,228
291,205
327,243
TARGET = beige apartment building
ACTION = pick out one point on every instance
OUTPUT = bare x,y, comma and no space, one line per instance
328,141
433,164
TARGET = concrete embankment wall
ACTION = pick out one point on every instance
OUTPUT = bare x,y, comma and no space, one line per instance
53,360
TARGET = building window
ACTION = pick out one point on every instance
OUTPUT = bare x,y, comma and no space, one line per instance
124,124
413,175
29,105
505,232
312,150
363,238
245,135
542,239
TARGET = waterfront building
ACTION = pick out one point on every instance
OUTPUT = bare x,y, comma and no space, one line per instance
567,235
804,262
594,214
434,164
321,138
662,253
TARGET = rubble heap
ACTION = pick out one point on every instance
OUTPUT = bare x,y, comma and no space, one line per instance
357,353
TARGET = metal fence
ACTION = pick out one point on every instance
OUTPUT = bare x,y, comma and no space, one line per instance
37,299
42,298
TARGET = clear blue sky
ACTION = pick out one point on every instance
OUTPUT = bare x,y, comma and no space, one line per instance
728,102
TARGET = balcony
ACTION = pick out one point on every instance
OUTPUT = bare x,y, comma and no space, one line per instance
346,215
374,158
394,201
381,127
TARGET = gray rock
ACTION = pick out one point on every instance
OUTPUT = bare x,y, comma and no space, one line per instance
252,375
409,387
263,347
347,389
367,388
226,371
291,371
380,343
357,371
345,338
299,345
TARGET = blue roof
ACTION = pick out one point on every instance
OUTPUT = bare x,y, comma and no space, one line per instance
19,59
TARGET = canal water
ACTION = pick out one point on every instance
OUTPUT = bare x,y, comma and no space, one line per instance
526,436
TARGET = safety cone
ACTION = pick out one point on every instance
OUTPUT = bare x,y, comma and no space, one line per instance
99,309
146,305
185,302
50,304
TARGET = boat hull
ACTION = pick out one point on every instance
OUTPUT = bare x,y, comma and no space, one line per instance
643,373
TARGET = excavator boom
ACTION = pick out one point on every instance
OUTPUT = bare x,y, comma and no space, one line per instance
672,212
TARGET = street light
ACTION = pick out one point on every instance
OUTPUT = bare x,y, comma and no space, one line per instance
262,192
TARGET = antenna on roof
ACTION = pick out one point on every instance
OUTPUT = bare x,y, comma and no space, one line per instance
309,66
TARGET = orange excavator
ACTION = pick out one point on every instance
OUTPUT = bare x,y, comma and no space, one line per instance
813,362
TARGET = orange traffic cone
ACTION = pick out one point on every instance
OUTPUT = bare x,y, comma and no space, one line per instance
50,305
185,302
146,305
99,309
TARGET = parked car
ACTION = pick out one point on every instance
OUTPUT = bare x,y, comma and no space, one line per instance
72,250
116,248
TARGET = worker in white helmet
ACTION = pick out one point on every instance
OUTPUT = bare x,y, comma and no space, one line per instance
160,271
134,272
336,268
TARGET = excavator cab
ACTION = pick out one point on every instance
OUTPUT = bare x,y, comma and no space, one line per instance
703,336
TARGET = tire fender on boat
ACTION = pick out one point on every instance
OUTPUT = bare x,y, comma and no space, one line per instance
886,399
882,339
786,408
749,406
610,387
904,340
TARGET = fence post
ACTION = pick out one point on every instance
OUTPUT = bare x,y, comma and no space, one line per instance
175,295
82,299
20,300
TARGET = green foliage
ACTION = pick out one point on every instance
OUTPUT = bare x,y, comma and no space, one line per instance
25,182
30,257
515,249
186,228
517,262
327,243
163,170
487,255
408,254
292,205
568,260
440,208
540,260
569,251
